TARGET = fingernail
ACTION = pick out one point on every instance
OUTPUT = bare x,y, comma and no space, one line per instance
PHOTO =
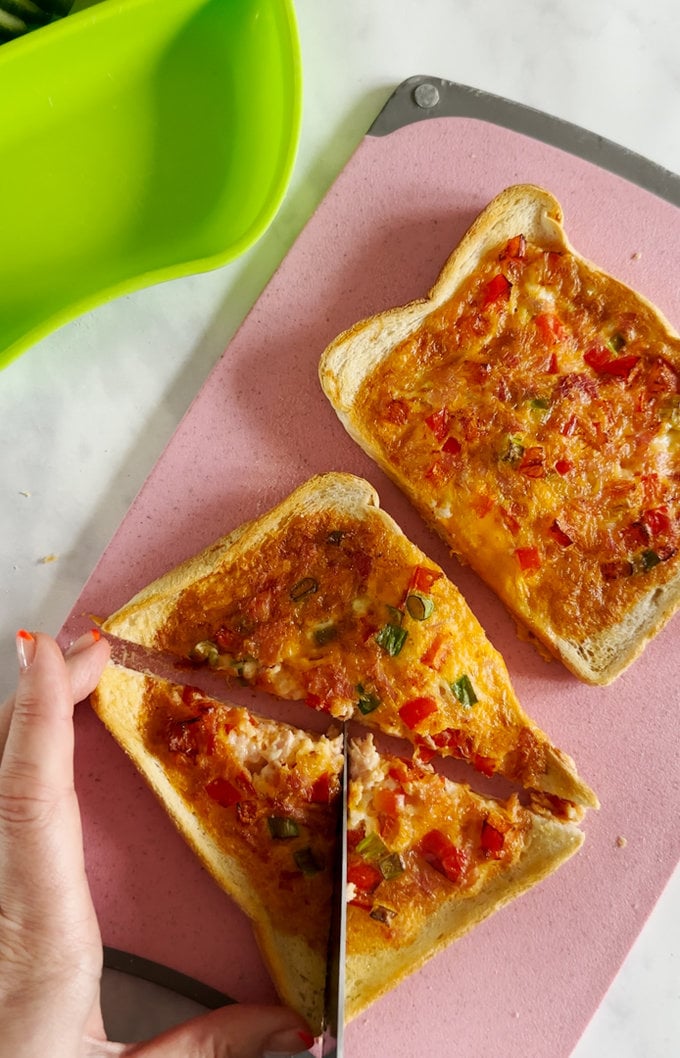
25,649
286,1043
83,642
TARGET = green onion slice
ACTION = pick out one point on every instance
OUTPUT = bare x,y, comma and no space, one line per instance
282,827
304,587
205,651
513,452
307,861
367,700
392,866
464,691
419,606
649,559
372,847
391,638
325,634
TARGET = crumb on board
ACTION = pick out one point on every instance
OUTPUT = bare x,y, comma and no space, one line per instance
22,492
46,559
621,842
636,256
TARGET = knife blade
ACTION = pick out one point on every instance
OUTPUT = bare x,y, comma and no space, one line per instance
332,1044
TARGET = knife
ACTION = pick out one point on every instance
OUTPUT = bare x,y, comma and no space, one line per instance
332,1045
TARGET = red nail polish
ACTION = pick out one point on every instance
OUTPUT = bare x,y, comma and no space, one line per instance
25,649
307,1039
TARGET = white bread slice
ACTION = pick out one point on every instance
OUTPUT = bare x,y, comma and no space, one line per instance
297,967
375,969
599,656
200,591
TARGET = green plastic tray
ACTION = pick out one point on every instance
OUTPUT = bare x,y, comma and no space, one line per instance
140,140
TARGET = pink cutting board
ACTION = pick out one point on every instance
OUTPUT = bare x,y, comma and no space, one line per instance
525,982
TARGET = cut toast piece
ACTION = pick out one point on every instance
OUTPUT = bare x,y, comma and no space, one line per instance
428,860
324,599
529,407
257,802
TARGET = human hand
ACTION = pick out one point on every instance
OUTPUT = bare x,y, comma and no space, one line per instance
50,945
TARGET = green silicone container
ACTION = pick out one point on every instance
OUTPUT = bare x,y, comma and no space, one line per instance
140,140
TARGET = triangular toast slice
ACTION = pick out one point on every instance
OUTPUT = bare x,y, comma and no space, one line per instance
428,859
529,407
257,802
324,599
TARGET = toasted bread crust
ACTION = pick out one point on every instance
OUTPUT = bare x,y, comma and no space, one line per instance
596,658
297,969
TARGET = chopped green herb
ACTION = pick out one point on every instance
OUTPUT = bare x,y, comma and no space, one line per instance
205,651
282,827
464,691
307,861
304,587
325,634
391,638
372,847
392,866
367,700
649,559
616,342
335,536
419,606
514,452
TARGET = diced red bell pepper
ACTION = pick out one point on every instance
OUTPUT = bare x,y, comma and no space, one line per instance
531,463
355,835
416,710
657,520
495,289
443,855
515,249
397,412
425,753
423,578
550,327
529,558
320,793
437,653
563,466
224,792
364,876
602,361
438,423
492,840
485,765
451,446
558,532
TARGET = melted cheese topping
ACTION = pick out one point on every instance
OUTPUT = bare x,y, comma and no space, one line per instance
351,617
536,417
237,774
450,843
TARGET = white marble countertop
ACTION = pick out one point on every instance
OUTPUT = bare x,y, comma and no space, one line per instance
86,412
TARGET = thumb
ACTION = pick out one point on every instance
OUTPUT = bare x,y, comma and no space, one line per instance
231,1032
